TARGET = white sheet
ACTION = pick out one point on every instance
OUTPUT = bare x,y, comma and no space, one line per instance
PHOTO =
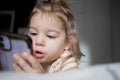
99,72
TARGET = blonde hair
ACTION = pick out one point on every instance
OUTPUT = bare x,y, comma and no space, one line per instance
60,9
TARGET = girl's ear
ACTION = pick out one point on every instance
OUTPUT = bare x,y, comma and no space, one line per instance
68,44
67,47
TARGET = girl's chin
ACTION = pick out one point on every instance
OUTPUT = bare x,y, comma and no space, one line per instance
41,61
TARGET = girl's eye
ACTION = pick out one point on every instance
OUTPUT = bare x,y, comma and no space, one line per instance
51,37
32,34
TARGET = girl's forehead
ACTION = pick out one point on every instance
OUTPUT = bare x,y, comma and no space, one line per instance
47,15
47,19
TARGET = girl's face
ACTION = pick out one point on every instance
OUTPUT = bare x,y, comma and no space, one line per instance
49,38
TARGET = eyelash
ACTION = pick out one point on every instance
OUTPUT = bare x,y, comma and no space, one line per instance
49,36
33,34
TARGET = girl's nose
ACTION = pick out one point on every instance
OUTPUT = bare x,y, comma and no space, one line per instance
40,41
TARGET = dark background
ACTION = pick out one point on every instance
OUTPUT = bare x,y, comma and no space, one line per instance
22,10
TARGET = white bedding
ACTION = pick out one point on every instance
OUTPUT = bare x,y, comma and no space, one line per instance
99,72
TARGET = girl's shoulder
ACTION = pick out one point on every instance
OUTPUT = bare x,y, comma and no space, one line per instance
65,62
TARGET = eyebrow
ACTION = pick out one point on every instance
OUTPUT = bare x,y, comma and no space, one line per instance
30,27
49,30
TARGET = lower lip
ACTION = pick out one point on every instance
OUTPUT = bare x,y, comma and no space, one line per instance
39,55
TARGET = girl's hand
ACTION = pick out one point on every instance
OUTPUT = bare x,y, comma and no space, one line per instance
23,66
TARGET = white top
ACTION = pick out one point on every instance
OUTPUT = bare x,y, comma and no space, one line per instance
65,62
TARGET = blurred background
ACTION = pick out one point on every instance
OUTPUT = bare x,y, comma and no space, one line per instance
98,22
14,14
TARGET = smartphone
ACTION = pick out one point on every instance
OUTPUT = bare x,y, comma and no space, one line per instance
12,43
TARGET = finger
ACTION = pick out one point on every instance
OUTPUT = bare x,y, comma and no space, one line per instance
22,63
35,64
17,68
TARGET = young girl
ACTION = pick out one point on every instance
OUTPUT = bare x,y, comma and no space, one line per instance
55,39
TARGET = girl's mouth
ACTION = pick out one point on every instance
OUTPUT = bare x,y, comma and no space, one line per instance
39,54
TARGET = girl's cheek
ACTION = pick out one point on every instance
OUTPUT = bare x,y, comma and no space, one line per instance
33,43
33,40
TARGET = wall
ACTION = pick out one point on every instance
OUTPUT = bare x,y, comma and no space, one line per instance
115,29
93,21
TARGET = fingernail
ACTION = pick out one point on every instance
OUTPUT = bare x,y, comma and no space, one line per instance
24,54
15,55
